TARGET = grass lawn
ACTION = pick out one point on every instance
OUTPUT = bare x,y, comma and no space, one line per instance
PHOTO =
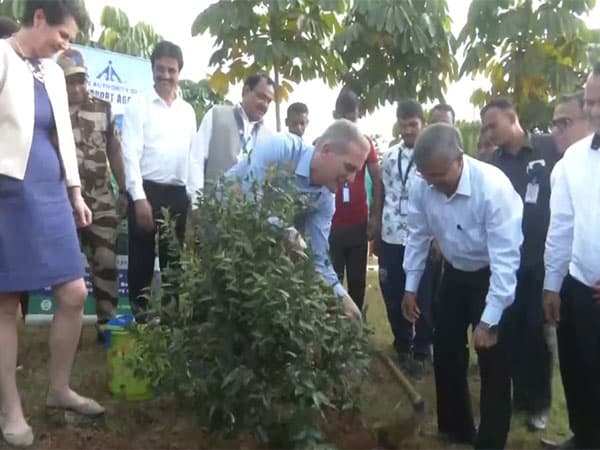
157,424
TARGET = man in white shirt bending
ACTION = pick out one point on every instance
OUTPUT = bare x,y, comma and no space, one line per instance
572,283
158,129
474,213
228,133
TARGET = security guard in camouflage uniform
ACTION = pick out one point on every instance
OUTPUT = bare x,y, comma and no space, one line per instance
98,145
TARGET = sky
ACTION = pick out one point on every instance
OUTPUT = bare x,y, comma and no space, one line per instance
174,23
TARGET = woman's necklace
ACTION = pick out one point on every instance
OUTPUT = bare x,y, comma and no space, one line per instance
37,69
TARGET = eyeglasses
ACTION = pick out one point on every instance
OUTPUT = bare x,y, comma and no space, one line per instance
563,123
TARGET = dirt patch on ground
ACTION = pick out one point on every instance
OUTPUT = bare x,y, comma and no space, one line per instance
341,433
154,424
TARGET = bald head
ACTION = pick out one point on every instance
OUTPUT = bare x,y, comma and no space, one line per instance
439,157
438,142
340,133
340,154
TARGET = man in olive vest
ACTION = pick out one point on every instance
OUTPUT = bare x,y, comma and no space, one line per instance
98,145
229,132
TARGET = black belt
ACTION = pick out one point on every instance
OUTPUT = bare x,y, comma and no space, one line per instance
162,186
450,268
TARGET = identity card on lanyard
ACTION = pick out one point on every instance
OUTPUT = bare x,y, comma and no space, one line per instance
245,141
346,193
404,181
533,187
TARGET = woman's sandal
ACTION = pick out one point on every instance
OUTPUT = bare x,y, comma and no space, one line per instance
87,408
24,439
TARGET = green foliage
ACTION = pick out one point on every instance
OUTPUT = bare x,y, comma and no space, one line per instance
200,95
12,9
469,132
119,36
530,51
260,345
289,37
397,49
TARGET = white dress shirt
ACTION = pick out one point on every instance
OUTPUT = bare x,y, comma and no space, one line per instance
156,140
573,241
478,226
394,226
201,145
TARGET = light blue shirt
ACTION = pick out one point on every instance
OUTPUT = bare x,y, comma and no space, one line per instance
478,226
287,151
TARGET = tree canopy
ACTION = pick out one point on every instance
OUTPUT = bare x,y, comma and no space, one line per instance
289,39
395,50
530,51
120,36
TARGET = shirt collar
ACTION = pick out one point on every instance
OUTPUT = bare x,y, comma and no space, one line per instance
303,166
402,150
464,184
154,97
406,152
245,116
527,147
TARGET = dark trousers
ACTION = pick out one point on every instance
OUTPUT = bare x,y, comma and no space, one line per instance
24,301
142,243
348,247
531,359
407,337
579,354
461,303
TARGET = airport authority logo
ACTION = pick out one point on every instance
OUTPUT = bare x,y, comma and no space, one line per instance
109,74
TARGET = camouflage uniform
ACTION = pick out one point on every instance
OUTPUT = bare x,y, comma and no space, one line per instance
93,131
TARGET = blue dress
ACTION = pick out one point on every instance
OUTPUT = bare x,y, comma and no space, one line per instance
39,246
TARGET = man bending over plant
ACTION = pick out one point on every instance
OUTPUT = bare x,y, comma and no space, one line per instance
318,172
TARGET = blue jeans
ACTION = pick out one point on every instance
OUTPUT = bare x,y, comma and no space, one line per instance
407,337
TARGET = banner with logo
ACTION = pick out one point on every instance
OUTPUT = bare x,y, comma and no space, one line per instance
116,78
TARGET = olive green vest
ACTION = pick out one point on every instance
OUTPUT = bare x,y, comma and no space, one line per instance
225,142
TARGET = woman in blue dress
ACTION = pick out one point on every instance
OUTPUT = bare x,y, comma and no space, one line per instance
40,206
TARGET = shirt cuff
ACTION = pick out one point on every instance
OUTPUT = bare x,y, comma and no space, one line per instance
553,282
339,290
137,193
413,278
492,314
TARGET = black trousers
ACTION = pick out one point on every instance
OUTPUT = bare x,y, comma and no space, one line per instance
142,243
24,301
392,278
531,358
461,303
579,354
348,247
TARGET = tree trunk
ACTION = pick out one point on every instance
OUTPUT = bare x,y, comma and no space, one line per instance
277,98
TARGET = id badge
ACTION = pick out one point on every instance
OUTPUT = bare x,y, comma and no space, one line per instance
531,195
346,194
404,205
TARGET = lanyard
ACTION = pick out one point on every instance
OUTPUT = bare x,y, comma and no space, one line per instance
404,178
244,140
